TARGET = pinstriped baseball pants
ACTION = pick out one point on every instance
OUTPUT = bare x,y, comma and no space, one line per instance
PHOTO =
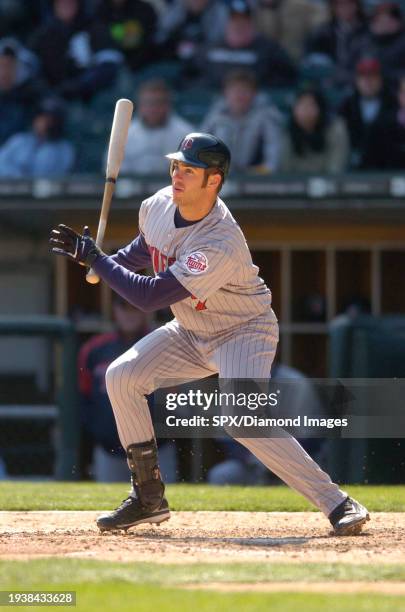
172,352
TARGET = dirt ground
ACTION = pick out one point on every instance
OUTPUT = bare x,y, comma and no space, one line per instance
203,537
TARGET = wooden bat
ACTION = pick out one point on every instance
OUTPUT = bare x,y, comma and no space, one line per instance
116,149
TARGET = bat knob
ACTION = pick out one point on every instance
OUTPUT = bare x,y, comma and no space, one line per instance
92,277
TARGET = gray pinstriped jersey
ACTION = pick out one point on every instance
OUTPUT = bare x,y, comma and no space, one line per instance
210,259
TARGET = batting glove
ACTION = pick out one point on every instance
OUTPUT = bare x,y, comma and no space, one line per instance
80,248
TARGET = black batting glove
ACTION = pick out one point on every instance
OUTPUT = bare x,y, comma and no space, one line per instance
80,248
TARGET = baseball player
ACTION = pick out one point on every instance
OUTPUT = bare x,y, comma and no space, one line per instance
223,323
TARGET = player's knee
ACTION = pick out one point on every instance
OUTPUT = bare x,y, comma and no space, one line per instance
114,375
110,377
123,374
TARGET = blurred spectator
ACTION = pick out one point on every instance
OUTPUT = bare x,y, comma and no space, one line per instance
239,466
19,91
341,41
18,18
388,40
366,113
155,130
247,124
310,306
109,458
27,61
314,142
41,152
244,48
132,25
395,132
78,59
289,22
187,26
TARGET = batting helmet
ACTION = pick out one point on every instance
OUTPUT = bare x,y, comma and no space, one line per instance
204,151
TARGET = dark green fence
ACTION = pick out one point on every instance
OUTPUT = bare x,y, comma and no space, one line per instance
368,347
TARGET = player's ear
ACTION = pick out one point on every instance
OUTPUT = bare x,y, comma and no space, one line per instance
215,180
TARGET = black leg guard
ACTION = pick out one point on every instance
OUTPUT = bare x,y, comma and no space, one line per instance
146,478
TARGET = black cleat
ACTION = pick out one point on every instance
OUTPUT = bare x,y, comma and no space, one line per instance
349,517
131,513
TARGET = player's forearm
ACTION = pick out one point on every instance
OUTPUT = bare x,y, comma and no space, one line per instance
145,292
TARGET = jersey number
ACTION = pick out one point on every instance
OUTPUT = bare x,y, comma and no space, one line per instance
160,262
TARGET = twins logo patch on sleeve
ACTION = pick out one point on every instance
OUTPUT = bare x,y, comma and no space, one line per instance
197,263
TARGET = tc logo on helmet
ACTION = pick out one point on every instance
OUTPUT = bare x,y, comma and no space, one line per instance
187,144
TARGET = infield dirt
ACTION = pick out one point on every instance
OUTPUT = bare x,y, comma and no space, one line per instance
203,537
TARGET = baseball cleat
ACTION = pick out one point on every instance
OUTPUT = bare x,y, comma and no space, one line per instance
349,517
131,513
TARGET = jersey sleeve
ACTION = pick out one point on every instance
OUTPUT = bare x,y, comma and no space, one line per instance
145,292
205,270
134,256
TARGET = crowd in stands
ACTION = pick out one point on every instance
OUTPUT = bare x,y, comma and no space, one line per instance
292,86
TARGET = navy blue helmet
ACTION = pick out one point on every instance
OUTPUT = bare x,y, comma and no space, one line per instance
203,151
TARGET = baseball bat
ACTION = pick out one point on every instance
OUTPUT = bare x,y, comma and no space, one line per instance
116,149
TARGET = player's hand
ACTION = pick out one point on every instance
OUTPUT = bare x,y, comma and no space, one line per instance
81,248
